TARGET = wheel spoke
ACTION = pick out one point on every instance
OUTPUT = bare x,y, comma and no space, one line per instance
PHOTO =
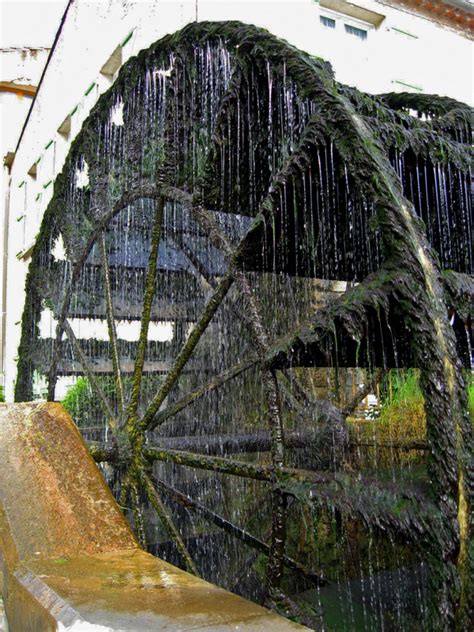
145,322
107,408
111,325
137,514
187,349
287,393
205,276
124,491
236,531
197,265
168,523
191,397
144,191
212,463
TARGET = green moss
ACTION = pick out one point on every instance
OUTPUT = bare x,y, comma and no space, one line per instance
470,396
60,561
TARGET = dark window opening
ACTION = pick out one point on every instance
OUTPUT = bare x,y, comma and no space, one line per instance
353,30
329,22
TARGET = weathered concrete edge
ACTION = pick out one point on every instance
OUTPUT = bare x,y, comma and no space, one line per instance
34,606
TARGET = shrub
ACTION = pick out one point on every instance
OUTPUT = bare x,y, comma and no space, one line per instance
402,418
81,403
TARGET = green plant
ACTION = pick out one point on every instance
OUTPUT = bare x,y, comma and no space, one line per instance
402,418
84,406
402,413
81,403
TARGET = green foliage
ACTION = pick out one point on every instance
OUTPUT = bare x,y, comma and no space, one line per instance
75,394
402,418
470,396
2,394
405,388
402,414
82,404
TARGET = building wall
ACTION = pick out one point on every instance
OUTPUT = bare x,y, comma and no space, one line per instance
402,52
19,66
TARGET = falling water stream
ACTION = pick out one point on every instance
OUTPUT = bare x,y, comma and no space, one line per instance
211,143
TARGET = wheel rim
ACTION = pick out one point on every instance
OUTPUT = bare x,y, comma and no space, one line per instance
132,212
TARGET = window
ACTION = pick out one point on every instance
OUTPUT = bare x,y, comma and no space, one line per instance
353,30
344,26
328,22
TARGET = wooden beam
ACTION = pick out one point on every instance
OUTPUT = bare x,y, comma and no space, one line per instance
21,89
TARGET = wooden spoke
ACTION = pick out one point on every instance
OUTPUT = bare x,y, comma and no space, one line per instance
199,328
124,491
168,523
213,463
244,469
107,408
137,514
286,392
147,302
144,191
197,265
207,278
240,534
111,325
191,397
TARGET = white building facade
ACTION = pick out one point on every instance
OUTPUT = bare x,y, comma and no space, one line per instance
375,46
21,68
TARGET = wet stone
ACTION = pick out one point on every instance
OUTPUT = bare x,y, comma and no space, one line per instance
70,561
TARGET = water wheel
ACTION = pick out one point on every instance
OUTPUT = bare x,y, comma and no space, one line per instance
237,250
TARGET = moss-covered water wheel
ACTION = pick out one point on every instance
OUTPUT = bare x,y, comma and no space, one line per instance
222,186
